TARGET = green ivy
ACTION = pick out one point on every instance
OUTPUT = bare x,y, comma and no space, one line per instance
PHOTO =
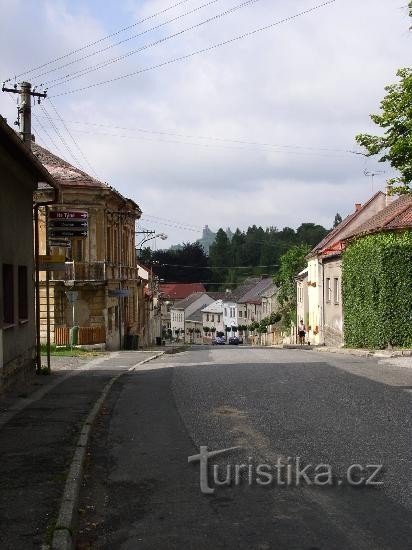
377,291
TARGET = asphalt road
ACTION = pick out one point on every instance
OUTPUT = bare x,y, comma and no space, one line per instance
283,410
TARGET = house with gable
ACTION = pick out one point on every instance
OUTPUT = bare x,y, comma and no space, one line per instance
323,279
212,317
186,313
377,279
169,294
100,270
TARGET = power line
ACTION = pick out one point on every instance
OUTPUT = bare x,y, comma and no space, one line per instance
218,267
90,44
152,44
173,221
73,140
240,141
197,52
95,67
76,160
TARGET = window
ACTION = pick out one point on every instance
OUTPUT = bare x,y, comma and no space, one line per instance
232,311
328,290
22,290
110,319
207,317
336,290
225,312
8,294
213,319
240,313
218,318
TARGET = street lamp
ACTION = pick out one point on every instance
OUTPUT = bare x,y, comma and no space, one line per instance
162,236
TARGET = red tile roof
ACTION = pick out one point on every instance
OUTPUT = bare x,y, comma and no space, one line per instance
331,242
397,215
63,172
179,291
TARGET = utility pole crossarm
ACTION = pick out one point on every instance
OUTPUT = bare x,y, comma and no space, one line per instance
24,110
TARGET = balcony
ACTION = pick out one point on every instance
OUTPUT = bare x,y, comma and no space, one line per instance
94,272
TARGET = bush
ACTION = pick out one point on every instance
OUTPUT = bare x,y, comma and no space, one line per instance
377,291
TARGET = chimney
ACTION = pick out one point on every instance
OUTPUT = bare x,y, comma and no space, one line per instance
358,206
388,198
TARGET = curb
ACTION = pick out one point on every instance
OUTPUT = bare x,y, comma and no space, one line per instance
66,524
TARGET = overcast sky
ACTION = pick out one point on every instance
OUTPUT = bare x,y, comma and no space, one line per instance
257,131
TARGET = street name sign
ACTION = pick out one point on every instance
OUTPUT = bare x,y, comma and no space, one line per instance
119,293
68,215
63,232
61,243
67,223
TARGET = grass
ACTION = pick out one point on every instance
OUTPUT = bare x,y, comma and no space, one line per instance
66,351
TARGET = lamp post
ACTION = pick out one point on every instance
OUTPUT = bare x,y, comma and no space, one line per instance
149,236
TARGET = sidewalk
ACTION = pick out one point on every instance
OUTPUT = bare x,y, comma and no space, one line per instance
38,435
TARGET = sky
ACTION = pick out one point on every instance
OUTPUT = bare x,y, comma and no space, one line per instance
259,130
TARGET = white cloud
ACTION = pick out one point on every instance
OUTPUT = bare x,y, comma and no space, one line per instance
311,82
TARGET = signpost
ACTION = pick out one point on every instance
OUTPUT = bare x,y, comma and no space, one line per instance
72,296
68,223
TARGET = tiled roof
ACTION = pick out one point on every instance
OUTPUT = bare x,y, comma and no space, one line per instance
255,293
186,302
214,307
340,231
270,291
196,316
178,291
397,215
63,172
238,293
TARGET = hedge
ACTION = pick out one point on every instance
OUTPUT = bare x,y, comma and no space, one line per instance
377,291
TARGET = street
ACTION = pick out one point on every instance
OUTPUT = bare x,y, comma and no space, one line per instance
344,415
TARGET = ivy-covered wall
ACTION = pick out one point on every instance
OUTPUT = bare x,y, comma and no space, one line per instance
377,291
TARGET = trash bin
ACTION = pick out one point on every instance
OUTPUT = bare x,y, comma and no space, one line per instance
135,341
158,341
74,335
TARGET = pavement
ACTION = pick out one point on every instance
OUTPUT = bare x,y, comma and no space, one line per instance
140,492
39,430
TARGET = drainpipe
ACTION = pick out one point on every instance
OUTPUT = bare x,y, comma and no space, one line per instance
322,320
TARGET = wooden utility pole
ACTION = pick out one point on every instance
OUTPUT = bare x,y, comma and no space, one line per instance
24,109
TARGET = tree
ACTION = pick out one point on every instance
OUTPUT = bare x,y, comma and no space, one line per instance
310,233
337,220
291,263
395,146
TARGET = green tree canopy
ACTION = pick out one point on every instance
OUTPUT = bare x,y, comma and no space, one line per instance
291,263
395,118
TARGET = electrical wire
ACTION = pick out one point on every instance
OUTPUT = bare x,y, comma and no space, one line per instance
76,160
73,140
218,267
240,141
197,52
90,44
118,44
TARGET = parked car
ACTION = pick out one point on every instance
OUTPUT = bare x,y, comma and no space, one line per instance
219,341
234,340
